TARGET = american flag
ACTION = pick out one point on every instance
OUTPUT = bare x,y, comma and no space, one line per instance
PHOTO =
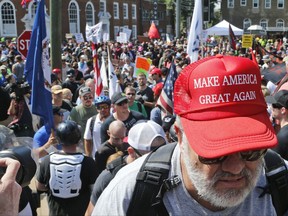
166,98
97,76
232,38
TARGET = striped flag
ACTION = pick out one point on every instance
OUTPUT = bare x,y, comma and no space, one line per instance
195,33
97,76
166,98
232,38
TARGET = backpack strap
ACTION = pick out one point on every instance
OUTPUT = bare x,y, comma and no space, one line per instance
277,177
152,182
92,126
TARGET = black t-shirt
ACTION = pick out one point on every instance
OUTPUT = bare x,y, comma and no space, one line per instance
282,147
133,117
69,206
73,87
147,95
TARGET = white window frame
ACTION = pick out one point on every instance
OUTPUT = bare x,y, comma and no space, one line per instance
102,2
255,4
267,4
134,12
116,30
8,26
280,2
246,23
77,27
280,23
90,22
116,10
125,11
264,23
243,2
230,3
134,31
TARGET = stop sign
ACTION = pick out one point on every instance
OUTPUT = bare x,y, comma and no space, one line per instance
23,42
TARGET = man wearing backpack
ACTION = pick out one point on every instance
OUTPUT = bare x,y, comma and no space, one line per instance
217,166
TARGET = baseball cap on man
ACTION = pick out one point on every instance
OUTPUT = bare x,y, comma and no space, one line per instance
56,89
222,108
118,97
155,71
281,98
57,110
142,134
84,90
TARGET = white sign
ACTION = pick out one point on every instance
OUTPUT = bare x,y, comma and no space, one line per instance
94,33
79,37
128,32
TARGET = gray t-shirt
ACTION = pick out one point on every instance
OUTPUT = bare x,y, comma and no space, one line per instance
116,197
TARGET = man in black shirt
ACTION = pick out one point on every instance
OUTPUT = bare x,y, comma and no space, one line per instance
71,84
280,112
128,117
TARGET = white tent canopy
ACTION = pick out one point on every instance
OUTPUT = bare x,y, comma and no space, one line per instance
222,28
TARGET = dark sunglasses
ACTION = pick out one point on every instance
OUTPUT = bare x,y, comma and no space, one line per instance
247,156
60,114
133,94
122,103
277,106
87,98
103,107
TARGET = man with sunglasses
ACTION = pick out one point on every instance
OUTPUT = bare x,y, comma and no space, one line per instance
92,141
279,108
81,113
121,112
223,130
130,93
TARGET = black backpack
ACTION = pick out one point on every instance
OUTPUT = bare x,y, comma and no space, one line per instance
153,182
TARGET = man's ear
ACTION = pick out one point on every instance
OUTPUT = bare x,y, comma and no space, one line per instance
131,152
108,132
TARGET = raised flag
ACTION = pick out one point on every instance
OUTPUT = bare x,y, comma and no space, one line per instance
103,73
232,38
37,69
195,33
97,76
94,33
166,98
113,84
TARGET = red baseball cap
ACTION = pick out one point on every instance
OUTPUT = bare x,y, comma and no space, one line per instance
155,70
222,108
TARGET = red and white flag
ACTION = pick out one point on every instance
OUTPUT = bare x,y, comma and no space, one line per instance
97,76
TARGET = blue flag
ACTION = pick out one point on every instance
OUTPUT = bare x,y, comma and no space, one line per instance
37,69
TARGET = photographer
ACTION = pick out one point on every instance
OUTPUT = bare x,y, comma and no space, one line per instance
22,123
10,190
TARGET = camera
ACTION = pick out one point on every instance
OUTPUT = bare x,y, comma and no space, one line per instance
27,168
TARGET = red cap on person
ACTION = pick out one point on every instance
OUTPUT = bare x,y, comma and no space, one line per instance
155,70
222,108
56,70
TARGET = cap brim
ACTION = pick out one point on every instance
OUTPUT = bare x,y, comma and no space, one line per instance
270,99
57,92
121,100
221,137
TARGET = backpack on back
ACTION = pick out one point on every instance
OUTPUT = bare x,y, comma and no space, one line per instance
152,182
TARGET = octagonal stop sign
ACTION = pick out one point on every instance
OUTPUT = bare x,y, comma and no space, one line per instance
23,42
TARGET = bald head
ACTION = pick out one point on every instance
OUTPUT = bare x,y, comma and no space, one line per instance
117,132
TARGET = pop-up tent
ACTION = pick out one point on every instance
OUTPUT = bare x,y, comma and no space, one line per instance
222,28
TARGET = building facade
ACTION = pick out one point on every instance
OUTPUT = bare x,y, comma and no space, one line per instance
270,14
115,15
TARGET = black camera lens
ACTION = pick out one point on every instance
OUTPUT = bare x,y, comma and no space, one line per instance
28,166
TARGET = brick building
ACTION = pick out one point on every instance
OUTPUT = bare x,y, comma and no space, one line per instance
272,15
76,13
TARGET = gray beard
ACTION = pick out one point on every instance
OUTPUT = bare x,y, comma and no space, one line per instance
206,187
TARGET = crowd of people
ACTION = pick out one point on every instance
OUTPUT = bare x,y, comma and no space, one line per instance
89,165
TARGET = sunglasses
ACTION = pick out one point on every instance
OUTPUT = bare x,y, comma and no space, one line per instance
133,94
122,103
87,97
247,156
60,114
102,107
277,106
